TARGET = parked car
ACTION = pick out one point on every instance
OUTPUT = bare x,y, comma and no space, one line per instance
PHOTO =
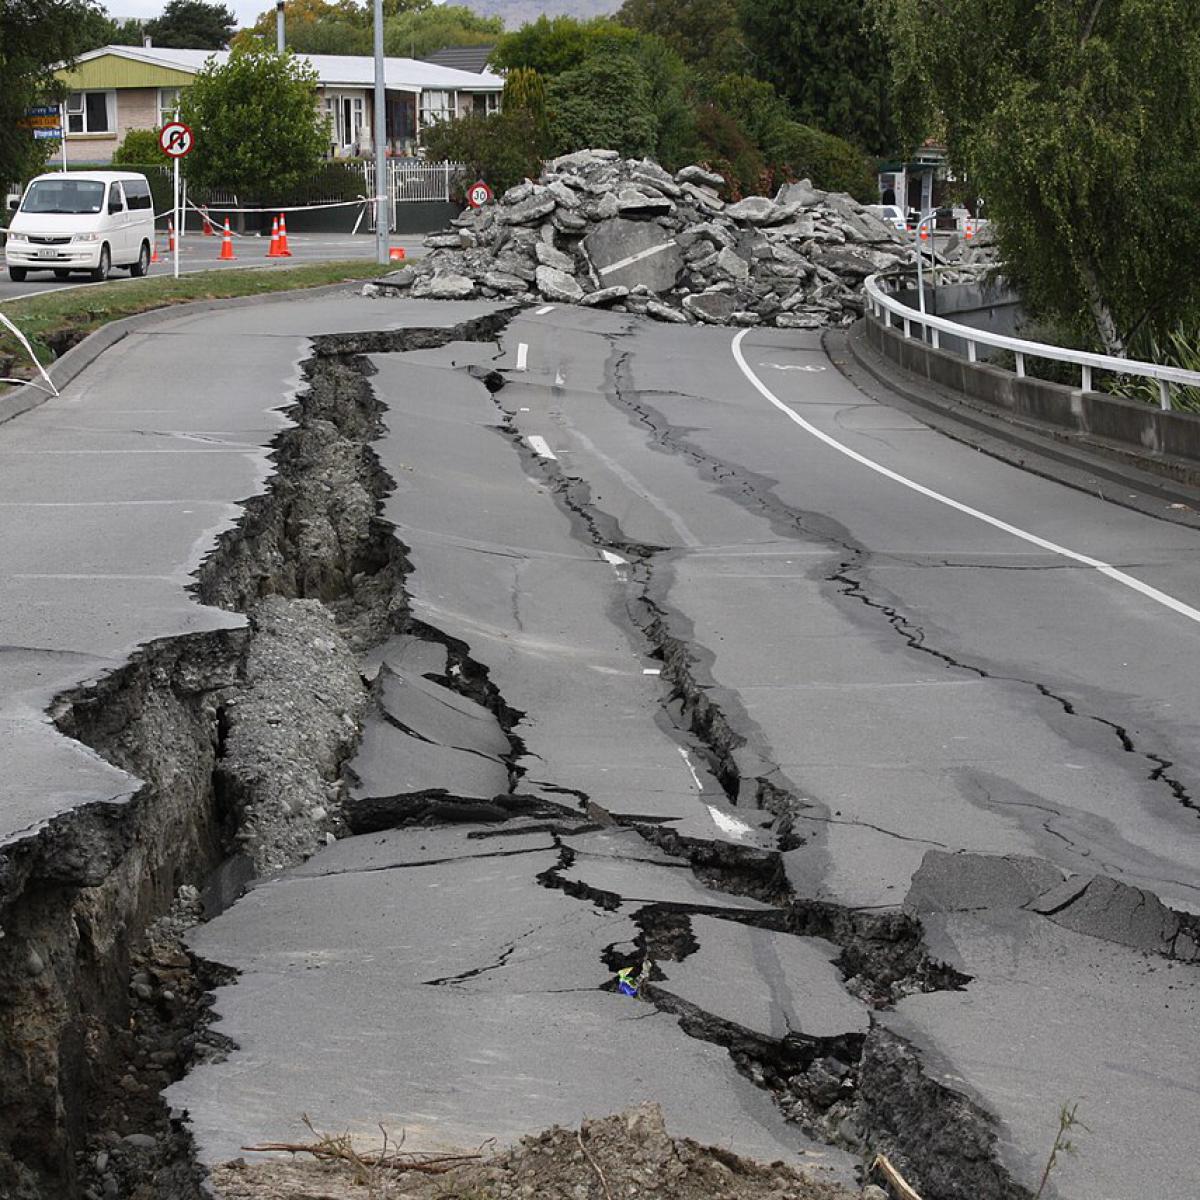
81,221
889,214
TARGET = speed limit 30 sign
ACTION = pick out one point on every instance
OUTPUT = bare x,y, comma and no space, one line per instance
176,139
479,194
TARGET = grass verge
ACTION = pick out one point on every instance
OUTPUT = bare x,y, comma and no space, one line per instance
57,320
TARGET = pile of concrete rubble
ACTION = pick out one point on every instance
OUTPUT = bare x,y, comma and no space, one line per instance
599,230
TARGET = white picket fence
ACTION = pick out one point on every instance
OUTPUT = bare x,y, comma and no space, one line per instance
413,181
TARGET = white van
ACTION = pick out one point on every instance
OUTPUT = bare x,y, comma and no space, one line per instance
82,221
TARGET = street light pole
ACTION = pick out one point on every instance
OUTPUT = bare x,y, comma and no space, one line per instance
929,216
381,177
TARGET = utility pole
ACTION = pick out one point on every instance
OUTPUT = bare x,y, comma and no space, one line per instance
382,224
280,43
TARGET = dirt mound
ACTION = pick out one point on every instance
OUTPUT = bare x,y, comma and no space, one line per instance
613,1158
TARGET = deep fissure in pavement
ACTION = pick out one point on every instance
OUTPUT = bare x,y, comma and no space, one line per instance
862,1092
102,1005
234,741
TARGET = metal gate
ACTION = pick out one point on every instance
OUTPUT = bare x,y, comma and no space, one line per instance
413,181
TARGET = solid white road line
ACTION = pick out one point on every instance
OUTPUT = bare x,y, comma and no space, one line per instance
728,824
541,312
1103,568
634,258
541,447
691,770
522,356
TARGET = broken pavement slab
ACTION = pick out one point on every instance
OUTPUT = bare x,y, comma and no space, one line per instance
773,984
633,254
459,1002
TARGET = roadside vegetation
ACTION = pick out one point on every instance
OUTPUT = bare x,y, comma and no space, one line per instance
57,320
1078,123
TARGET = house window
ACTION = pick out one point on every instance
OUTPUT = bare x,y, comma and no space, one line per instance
168,105
492,100
347,116
91,112
437,106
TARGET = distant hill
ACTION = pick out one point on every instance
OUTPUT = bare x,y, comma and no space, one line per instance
516,13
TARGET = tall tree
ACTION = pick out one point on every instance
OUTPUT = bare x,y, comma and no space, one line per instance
828,60
1078,122
35,36
572,54
704,33
192,25
256,123
421,31
99,29
605,101
552,45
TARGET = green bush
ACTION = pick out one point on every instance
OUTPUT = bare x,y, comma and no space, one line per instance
726,147
501,149
830,162
257,128
604,102
138,146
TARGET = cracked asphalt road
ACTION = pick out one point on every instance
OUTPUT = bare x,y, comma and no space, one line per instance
723,633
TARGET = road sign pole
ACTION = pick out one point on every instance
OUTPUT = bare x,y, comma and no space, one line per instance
382,176
62,129
175,217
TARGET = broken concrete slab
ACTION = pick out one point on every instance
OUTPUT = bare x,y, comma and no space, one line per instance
538,204
436,714
1054,1017
474,986
390,763
755,210
603,296
960,882
400,848
558,285
449,286
636,202
548,256
633,253
1116,912
773,984
699,175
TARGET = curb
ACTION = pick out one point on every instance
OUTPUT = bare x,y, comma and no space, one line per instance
81,356
1042,452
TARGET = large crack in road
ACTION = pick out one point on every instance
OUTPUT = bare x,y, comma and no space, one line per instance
462,804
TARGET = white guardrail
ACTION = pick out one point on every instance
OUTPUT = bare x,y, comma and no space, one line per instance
888,307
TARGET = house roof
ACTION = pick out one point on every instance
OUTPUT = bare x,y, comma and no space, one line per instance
333,70
462,58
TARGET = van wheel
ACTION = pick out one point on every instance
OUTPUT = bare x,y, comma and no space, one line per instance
139,268
100,274
17,274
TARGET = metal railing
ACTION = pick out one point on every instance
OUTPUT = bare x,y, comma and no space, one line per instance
887,308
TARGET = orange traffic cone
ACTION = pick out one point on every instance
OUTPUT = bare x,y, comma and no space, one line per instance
154,256
968,230
284,251
170,237
226,254
396,253
274,251
208,229
924,233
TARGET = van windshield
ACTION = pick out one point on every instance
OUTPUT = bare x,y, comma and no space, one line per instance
63,196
